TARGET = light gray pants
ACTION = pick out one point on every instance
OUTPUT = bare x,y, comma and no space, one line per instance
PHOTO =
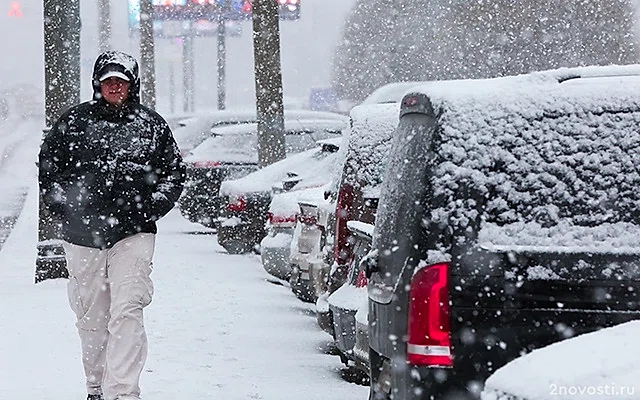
108,290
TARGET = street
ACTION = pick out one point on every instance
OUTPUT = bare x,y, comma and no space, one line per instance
217,328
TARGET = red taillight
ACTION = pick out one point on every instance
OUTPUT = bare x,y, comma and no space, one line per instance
342,252
237,203
362,280
282,221
429,328
205,164
308,219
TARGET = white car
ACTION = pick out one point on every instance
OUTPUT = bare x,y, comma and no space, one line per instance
245,202
196,128
231,152
287,229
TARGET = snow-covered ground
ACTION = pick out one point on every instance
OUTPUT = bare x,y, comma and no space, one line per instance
217,328
18,138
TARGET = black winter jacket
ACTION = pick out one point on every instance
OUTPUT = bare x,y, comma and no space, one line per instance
110,172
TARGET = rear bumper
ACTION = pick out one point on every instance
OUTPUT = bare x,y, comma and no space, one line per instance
493,340
276,259
240,232
324,316
344,328
361,347
200,206
420,383
308,274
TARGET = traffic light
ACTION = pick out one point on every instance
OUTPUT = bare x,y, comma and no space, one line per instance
211,10
15,10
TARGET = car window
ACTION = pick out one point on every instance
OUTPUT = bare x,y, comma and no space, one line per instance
233,148
298,141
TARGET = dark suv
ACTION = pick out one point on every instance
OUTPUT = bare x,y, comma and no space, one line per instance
508,220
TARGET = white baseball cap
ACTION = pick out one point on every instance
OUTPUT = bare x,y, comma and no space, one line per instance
115,74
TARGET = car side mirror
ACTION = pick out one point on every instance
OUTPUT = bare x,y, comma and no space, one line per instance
371,263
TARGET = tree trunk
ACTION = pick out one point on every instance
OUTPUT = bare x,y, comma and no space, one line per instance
104,24
268,80
147,56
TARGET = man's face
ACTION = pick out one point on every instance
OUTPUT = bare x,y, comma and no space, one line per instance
115,90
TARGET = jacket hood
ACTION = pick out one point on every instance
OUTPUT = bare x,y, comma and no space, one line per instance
114,60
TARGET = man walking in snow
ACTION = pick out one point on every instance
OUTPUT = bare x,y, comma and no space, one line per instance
109,169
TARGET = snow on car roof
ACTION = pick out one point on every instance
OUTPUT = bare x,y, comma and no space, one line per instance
250,114
390,93
241,147
239,143
539,151
286,203
579,368
290,126
196,127
372,127
313,166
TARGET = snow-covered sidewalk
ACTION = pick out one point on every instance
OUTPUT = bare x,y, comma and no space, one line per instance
217,329
18,139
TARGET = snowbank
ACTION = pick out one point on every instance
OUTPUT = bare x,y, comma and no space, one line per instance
596,365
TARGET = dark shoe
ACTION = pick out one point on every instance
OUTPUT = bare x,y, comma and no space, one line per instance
95,397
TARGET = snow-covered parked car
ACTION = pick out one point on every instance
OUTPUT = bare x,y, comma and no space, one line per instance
509,219
361,347
244,211
193,129
231,152
311,246
284,227
598,365
356,191
390,93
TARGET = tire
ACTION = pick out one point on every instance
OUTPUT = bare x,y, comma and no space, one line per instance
237,246
304,295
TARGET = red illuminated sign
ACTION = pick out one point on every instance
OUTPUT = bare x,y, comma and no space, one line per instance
16,10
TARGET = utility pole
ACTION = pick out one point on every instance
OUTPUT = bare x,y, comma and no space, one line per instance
188,72
61,56
147,55
222,59
62,91
268,77
104,24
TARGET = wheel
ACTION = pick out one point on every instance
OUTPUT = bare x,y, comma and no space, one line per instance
237,246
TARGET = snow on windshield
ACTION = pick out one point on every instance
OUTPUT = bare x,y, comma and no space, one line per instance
541,152
228,148
369,142
313,166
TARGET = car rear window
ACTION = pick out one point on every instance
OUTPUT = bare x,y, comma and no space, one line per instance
298,141
243,147
372,128
230,148
548,158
